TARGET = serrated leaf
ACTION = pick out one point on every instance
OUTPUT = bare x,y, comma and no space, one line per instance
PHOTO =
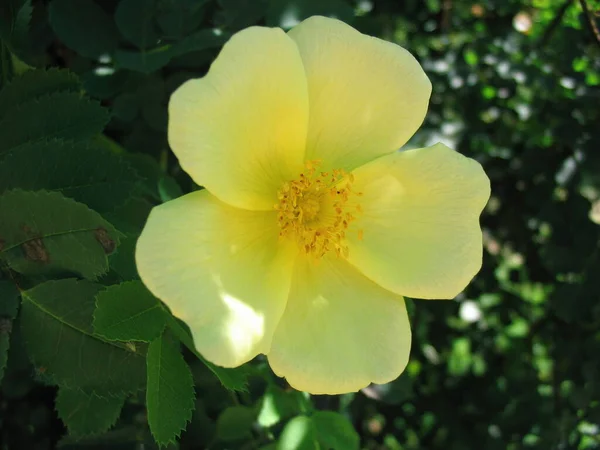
34,84
170,390
86,413
56,324
84,171
134,19
235,379
55,116
45,232
128,312
83,26
9,305
335,431
235,423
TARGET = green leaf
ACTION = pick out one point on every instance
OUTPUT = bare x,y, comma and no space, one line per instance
34,84
278,405
178,18
158,57
21,24
135,21
55,116
168,188
238,14
84,171
288,13
235,379
200,40
170,391
128,312
45,233
125,107
87,413
235,423
130,218
122,262
9,305
335,431
83,26
299,434
323,430
6,65
56,323
15,18
145,62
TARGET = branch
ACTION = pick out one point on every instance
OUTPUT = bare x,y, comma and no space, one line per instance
554,24
590,20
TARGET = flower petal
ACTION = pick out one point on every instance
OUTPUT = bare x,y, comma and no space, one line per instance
241,130
340,331
220,269
367,96
420,223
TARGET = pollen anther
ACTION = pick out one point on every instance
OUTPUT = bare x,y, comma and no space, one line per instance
314,210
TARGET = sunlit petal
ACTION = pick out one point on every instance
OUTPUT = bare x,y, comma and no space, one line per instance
221,270
420,222
340,331
367,96
241,130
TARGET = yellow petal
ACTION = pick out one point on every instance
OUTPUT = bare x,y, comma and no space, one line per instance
340,331
367,96
241,130
220,269
420,223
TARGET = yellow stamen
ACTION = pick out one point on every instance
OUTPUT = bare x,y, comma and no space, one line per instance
318,222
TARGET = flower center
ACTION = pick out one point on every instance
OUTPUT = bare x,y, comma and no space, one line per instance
316,210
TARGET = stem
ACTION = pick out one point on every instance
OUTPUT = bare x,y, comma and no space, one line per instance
590,20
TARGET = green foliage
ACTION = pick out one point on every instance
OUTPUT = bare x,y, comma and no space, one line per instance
170,391
83,26
233,379
85,171
510,364
56,323
54,116
128,312
47,233
235,423
278,405
8,311
287,13
87,413
135,21
35,84
322,430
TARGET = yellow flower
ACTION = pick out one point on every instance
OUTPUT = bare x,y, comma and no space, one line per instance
312,226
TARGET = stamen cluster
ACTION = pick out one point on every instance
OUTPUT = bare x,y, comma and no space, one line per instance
316,210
